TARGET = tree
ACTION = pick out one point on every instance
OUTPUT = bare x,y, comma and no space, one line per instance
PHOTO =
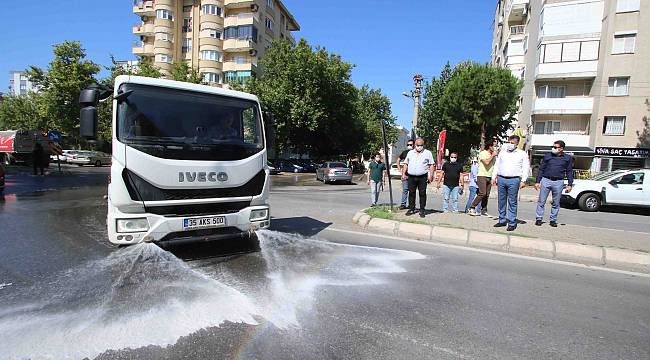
430,119
67,74
312,98
644,136
478,102
21,113
148,69
181,71
371,108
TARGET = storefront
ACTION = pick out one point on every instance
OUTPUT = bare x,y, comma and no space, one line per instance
582,157
616,158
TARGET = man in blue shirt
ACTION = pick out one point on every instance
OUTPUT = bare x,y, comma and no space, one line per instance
555,166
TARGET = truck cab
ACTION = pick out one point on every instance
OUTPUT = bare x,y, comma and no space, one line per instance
189,162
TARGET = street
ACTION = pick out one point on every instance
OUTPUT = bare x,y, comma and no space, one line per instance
328,291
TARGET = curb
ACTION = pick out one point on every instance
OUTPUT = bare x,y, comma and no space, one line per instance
549,249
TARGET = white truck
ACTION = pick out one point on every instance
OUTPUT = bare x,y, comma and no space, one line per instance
189,162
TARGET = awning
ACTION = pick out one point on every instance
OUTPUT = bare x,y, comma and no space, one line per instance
538,150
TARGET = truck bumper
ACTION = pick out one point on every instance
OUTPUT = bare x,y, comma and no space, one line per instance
168,229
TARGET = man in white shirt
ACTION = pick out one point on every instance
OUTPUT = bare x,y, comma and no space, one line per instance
510,174
419,168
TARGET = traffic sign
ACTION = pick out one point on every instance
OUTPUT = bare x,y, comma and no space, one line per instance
56,149
54,136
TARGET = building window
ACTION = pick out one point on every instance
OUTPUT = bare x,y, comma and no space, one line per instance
244,32
236,76
163,36
210,55
187,8
164,58
624,44
164,14
552,92
269,24
618,87
627,5
187,45
269,4
187,25
215,34
568,52
211,10
210,77
547,127
614,125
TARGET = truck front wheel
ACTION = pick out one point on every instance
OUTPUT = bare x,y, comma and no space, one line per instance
589,202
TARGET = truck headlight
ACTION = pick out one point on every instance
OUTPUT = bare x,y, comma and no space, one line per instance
260,214
132,225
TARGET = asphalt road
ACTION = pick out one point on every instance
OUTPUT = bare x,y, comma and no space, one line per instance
327,292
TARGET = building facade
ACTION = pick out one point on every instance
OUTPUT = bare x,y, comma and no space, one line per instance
586,82
223,39
19,83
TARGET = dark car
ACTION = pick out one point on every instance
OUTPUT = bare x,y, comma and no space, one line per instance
272,169
308,165
288,166
2,178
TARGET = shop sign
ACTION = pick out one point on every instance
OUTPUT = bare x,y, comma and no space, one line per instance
623,152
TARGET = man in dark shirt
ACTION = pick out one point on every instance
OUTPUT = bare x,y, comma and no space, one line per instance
405,183
452,181
555,166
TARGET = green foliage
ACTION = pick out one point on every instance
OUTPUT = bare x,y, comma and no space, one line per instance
312,98
148,69
476,100
21,113
67,74
644,135
371,108
182,71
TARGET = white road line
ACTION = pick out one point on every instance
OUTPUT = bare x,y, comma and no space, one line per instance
493,252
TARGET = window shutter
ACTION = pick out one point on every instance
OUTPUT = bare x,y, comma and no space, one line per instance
571,52
589,50
553,53
628,5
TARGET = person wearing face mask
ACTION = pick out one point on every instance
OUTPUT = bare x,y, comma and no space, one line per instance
510,174
554,168
486,158
376,173
419,167
400,164
473,187
453,183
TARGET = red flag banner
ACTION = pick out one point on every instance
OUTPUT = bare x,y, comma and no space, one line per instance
441,147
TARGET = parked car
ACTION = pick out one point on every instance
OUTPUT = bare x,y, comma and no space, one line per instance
272,169
307,165
2,178
64,157
622,188
332,171
395,171
288,166
96,158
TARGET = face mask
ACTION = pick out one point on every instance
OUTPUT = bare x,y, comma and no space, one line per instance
419,148
555,151
510,147
453,160
410,147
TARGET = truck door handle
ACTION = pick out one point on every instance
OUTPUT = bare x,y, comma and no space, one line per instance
641,189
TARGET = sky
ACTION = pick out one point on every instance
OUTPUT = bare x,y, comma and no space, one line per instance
388,41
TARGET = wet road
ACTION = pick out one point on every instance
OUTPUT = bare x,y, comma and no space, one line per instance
331,292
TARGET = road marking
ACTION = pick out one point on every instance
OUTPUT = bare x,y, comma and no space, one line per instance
493,252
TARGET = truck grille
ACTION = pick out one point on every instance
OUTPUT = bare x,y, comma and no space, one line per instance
141,190
198,209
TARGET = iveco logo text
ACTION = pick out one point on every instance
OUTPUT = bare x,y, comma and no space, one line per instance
202,176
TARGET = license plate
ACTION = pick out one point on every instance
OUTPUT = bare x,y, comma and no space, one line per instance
204,222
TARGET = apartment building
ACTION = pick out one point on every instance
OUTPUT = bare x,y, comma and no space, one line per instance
19,83
585,73
223,39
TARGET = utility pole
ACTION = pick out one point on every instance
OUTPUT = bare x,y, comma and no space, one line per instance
416,95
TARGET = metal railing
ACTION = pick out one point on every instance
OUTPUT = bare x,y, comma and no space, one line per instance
517,29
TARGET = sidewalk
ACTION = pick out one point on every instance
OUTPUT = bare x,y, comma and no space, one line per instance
616,248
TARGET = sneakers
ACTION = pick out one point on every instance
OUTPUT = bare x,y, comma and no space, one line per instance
484,213
410,212
497,225
422,214
538,222
553,223
511,228
472,212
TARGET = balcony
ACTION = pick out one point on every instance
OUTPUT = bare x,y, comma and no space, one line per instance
238,66
144,8
143,50
144,30
238,4
571,138
240,19
567,70
517,30
237,45
564,106
517,10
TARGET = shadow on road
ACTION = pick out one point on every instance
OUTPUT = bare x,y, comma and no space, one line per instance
301,225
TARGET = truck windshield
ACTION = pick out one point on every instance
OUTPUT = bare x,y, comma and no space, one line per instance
188,125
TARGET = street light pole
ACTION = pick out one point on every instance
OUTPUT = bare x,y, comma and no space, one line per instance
416,95
390,184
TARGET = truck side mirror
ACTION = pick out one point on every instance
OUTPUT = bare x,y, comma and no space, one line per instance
88,99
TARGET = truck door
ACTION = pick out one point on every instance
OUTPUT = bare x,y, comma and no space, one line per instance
627,189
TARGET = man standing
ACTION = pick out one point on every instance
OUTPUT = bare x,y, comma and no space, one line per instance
486,158
473,186
419,168
453,182
555,166
376,173
510,174
405,183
